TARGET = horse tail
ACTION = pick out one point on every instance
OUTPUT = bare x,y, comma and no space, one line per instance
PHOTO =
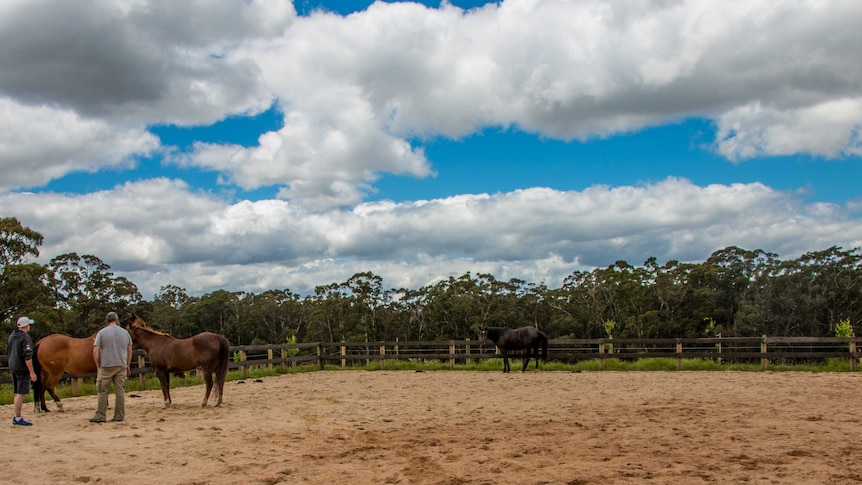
223,360
544,339
38,391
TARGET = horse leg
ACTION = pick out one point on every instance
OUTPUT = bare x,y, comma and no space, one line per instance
165,382
208,377
54,397
505,362
39,395
526,358
48,385
220,392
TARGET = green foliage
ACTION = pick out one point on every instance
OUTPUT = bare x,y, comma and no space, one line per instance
609,328
291,340
844,329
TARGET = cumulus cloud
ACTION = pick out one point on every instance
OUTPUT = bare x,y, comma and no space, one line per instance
147,61
82,84
831,129
358,92
161,232
54,142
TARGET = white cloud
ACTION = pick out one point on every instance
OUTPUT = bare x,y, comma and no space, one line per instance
358,91
81,82
153,61
40,143
831,129
163,232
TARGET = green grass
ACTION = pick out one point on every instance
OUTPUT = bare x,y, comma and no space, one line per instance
87,386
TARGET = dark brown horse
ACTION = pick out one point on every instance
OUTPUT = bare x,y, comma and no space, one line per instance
524,338
209,351
55,355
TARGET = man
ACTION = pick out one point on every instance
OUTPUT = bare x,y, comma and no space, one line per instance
20,350
112,352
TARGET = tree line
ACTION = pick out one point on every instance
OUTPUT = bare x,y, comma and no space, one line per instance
735,292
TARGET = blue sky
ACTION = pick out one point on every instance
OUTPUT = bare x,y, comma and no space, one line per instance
272,145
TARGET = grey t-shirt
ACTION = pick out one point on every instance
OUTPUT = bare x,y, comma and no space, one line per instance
113,342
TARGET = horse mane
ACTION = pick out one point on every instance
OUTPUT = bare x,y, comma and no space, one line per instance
153,331
142,325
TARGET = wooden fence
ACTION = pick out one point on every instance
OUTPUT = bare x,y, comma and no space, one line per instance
347,354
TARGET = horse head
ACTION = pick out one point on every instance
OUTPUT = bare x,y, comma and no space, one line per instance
133,321
482,331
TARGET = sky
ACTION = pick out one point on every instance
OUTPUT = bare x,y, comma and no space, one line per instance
256,145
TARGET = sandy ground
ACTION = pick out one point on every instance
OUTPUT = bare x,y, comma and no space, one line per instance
454,427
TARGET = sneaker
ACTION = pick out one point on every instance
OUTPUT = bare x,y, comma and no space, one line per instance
21,422
94,420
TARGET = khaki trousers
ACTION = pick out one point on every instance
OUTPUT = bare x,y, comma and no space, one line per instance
106,376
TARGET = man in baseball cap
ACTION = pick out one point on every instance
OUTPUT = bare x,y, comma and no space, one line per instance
20,350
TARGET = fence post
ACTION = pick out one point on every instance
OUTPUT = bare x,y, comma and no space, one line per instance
320,361
142,378
853,356
269,357
678,354
75,383
343,354
452,354
242,359
382,357
601,354
764,362
467,351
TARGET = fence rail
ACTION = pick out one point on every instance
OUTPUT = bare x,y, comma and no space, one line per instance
344,354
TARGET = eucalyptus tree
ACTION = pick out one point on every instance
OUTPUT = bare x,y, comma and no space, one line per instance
278,315
328,314
835,286
671,287
533,304
168,306
580,306
84,290
728,274
460,305
212,312
368,299
21,279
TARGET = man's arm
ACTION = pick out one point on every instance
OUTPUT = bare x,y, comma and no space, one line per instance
97,356
129,360
29,364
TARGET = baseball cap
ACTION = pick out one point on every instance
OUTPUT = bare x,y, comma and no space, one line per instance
24,321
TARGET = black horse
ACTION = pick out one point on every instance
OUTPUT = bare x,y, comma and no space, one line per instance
524,338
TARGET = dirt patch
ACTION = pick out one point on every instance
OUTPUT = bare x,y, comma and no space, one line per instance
453,427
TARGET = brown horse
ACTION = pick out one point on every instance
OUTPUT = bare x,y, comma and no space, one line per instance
55,355
167,354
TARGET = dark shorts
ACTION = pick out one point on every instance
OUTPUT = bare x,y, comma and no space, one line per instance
20,383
